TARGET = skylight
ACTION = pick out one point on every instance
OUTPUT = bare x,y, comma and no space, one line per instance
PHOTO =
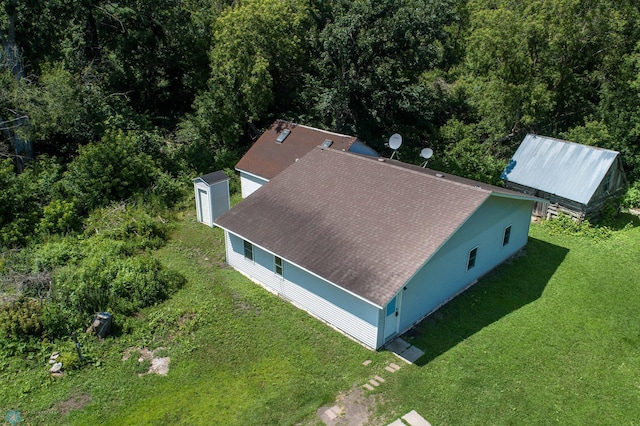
327,143
283,135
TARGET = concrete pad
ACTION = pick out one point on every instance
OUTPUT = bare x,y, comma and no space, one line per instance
374,383
398,422
379,379
398,346
412,354
368,386
415,419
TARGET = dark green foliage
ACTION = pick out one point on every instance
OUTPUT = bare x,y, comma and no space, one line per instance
104,281
112,170
368,60
21,319
22,198
59,216
632,197
564,224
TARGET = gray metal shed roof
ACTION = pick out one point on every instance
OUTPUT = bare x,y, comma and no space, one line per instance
364,224
214,177
567,169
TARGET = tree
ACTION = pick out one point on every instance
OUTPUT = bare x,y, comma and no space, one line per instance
258,52
369,56
113,170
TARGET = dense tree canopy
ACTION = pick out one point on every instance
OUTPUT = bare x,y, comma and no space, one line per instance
124,97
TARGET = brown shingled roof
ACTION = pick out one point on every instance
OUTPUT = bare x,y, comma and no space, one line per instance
363,224
266,158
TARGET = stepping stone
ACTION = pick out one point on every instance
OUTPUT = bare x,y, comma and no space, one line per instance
390,369
398,422
333,412
368,386
367,362
379,379
374,383
415,419
394,366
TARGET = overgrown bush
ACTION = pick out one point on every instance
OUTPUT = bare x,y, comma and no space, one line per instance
564,224
124,222
631,198
21,319
105,281
59,217
111,170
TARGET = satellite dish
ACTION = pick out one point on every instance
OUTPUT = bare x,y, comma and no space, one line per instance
394,143
426,153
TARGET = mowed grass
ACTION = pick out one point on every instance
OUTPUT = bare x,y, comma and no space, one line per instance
553,337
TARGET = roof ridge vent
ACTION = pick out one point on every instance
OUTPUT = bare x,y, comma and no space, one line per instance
283,135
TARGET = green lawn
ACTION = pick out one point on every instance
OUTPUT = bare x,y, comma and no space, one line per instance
551,338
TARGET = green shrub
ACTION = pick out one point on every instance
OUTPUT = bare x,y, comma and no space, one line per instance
631,198
124,222
59,217
106,282
564,224
111,170
167,190
57,253
21,319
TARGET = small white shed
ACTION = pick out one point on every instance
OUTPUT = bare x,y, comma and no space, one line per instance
212,196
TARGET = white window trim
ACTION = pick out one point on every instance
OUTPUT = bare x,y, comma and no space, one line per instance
244,251
276,266
504,231
475,258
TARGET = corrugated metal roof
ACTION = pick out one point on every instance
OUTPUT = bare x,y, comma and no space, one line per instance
567,169
363,224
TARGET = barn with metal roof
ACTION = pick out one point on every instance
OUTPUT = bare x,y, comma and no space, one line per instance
573,178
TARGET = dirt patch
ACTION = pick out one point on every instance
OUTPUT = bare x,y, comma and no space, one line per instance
76,402
351,409
158,365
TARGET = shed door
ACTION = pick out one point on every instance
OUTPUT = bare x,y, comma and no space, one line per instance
540,207
391,319
204,213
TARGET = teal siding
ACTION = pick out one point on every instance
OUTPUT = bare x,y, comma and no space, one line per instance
445,274
440,279
344,311
250,183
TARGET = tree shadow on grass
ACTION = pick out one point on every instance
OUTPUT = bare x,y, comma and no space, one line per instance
516,283
624,220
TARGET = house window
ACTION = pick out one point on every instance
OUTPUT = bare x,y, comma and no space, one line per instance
471,261
278,265
506,236
391,307
248,250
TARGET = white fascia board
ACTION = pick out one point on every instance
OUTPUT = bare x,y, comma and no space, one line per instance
253,175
